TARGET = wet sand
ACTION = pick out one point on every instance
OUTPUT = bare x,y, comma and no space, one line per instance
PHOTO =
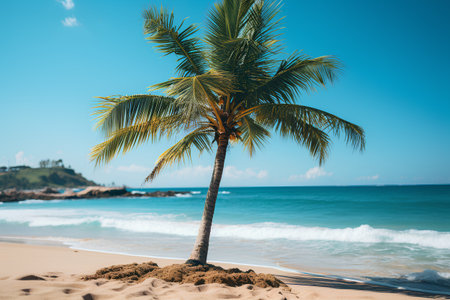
52,272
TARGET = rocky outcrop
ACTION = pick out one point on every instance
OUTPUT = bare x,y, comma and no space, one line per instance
91,192
102,192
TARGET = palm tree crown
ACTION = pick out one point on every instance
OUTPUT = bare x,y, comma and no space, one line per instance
231,86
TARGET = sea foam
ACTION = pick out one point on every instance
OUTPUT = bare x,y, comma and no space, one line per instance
183,195
36,201
178,225
137,192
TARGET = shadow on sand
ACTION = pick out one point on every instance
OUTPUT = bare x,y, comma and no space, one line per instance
310,280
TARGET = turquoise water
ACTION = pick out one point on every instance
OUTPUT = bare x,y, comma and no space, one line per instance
397,235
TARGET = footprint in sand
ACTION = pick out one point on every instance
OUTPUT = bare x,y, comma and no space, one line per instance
141,293
120,288
99,283
30,277
26,292
52,275
88,297
202,288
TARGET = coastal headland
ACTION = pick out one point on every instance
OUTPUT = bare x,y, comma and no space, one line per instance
14,195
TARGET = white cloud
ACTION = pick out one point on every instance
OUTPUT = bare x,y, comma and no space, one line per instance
311,174
70,22
194,171
21,159
133,169
231,172
202,174
68,4
374,177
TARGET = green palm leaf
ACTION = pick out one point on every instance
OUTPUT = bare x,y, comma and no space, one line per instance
116,113
295,74
253,135
290,126
124,139
181,151
292,119
159,25
225,24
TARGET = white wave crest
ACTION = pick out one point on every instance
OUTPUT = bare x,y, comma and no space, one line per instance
36,201
171,224
31,201
363,233
195,192
224,192
183,195
138,192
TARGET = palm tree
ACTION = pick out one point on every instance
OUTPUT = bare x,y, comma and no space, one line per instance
231,88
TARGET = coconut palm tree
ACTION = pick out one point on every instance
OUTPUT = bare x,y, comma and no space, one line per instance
231,87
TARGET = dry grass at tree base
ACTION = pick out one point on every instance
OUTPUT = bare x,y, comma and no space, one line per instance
185,273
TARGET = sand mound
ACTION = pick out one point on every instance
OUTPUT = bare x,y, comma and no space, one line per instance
185,273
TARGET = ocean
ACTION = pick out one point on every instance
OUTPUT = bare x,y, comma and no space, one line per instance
390,235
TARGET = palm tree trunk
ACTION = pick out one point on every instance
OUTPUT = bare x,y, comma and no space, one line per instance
200,251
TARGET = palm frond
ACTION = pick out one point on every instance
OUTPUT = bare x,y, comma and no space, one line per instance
198,94
262,25
181,151
314,139
354,134
116,113
226,20
252,134
124,139
193,87
159,25
225,24
262,32
247,51
296,74
307,135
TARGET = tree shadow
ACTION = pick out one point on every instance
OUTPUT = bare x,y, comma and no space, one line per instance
336,283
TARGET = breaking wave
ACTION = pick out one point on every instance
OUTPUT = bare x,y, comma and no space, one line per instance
178,225
183,195
138,192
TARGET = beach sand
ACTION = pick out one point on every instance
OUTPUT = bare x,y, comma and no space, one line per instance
52,272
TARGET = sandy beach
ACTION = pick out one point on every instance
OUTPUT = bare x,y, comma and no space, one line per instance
52,272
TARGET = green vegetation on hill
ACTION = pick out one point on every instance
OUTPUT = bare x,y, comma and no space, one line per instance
31,178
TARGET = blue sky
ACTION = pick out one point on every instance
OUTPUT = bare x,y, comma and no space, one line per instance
56,56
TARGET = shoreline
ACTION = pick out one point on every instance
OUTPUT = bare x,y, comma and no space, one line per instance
20,259
276,270
42,241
